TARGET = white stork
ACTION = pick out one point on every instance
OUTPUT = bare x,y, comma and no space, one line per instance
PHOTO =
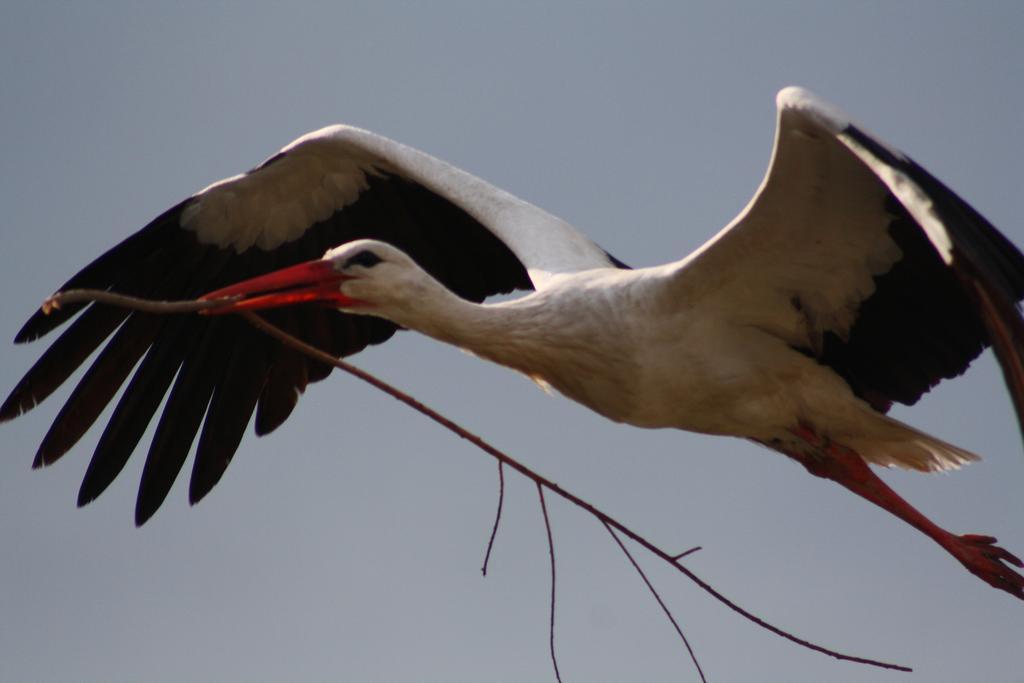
853,279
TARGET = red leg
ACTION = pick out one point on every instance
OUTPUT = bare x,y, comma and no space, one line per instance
978,554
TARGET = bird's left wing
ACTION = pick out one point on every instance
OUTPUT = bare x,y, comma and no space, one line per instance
853,253
329,187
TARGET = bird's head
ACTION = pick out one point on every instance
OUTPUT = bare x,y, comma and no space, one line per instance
365,276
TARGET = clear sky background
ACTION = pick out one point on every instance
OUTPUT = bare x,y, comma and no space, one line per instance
347,545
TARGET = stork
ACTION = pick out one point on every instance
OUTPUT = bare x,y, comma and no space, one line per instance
853,279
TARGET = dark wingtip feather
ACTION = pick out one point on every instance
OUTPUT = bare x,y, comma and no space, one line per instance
270,416
39,323
136,408
286,380
144,513
23,398
158,478
181,418
63,357
232,405
98,386
86,495
16,404
1005,326
104,270
60,437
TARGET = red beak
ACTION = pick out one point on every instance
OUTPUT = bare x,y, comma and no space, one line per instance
313,281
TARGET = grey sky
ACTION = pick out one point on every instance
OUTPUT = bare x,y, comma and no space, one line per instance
347,545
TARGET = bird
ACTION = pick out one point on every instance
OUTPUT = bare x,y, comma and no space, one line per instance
853,280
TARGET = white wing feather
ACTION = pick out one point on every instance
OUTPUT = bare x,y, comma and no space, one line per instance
326,170
800,258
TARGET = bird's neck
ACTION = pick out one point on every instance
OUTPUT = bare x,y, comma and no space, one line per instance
512,333
572,353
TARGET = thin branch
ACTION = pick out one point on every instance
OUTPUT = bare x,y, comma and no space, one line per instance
551,554
313,352
654,592
497,516
676,558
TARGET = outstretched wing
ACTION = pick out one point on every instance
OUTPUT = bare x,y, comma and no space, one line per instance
327,188
854,254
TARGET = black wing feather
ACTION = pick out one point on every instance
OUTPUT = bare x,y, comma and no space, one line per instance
234,400
134,412
286,381
182,416
102,272
63,357
926,320
98,387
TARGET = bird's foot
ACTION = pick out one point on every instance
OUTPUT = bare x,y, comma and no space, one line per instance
988,562
979,554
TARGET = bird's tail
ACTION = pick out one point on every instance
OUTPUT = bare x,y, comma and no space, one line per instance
897,444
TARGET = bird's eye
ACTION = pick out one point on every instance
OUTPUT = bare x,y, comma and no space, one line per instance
365,258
